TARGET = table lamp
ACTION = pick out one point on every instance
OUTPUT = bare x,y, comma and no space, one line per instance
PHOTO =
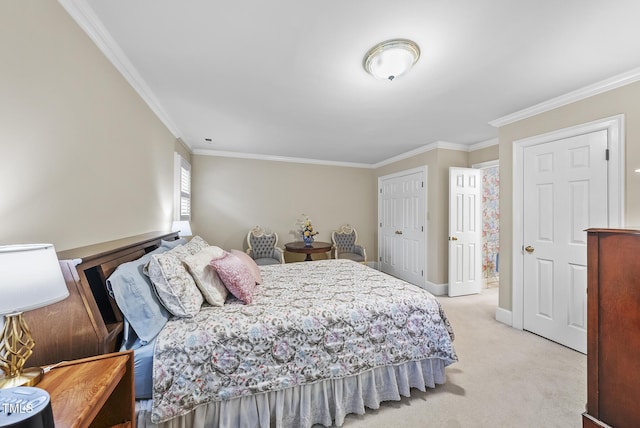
182,227
30,278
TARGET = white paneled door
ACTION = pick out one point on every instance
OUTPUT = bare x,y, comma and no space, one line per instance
402,218
565,192
465,231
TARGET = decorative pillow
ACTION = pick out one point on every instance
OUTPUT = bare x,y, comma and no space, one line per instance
250,263
181,248
175,287
205,276
235,276
137,299
196,244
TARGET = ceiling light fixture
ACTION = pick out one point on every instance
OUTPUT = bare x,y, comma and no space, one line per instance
392,58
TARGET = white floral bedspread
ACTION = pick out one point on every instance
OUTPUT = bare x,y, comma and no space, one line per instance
309,321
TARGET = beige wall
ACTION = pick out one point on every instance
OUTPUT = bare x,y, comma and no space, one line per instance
230,196
487,154
619,101
438,162
84,159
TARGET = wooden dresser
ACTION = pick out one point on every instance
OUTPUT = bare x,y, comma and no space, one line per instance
88,322
613,329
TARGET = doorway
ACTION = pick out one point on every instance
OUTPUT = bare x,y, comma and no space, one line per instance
490,222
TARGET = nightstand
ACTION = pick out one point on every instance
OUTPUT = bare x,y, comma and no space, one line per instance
95,391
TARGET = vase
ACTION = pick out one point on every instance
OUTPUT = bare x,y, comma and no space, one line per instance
308,240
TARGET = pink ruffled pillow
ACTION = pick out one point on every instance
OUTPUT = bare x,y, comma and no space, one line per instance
236,276
250,263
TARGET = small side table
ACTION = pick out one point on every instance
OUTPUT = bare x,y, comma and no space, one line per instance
316,247
94,391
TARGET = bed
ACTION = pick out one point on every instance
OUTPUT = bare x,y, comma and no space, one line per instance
319,340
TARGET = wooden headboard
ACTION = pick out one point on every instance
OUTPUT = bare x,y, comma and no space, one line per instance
88,322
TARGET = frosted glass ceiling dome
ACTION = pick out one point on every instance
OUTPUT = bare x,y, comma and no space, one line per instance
392,58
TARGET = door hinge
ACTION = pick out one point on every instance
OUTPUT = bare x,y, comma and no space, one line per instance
381,190
422,228
380,224
380,258
422,184
421,273
606,154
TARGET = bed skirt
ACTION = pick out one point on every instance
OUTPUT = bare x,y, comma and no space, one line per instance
326,402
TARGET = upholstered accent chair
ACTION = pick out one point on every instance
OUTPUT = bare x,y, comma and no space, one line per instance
345,246
263,247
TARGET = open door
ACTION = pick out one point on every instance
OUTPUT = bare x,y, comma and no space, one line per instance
465,231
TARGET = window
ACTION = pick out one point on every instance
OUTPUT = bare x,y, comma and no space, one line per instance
182,189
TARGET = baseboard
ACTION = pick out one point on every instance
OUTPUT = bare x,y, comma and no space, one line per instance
504,316
436,289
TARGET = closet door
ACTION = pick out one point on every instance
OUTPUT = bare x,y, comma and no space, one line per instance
402,220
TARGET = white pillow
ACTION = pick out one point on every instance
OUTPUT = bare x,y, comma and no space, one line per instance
175,287
181,249
206,278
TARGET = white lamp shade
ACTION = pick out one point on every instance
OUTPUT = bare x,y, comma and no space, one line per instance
30,277
182,227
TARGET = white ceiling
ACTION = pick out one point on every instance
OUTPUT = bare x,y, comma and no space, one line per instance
284,78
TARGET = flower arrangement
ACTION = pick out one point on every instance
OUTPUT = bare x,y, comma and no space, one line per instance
306,228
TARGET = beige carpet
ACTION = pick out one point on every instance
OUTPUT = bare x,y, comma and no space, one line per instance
504,378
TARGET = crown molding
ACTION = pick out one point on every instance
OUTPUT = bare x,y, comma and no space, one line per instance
433,146
420,150
606,85
451,146
86,18
484,144
238,155
437,145
185,145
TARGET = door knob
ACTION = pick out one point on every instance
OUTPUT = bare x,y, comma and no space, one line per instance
398,232
529,249
453,238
